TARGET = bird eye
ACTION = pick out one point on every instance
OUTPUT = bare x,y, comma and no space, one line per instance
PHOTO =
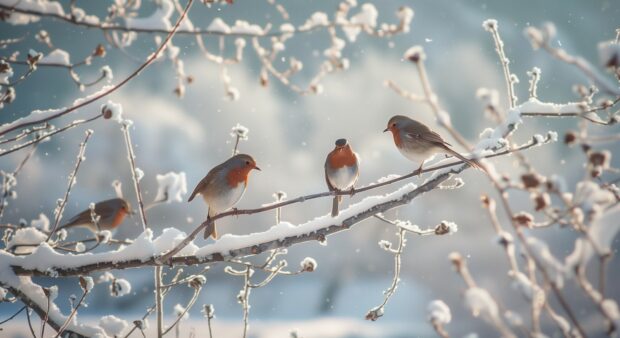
247,162
393,124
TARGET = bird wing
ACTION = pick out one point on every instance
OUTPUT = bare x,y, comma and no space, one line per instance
206,181
104,209
329,185
424,133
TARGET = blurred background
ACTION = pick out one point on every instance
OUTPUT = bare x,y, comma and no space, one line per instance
290,135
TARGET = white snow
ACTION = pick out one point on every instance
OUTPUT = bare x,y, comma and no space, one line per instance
244,27
57,56
107,73
439,312
41,223
416,52
366,17
239,131
48,7
80,247
41,115
115,111
160,20
405,15
120,287
219,26
139,174
171,187
308,264
7,74
113,326
489,25
316,19
29,236
90,284
480,303
178,311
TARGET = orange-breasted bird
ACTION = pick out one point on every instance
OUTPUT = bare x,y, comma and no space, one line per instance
224,186
417,142
341,170
112,213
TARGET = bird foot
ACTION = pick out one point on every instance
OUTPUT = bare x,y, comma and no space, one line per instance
352,191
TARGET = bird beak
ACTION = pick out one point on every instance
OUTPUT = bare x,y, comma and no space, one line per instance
386,129
257,168
132,212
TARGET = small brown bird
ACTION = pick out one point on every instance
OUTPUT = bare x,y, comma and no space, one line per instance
418,142
112,213
224,186
341,170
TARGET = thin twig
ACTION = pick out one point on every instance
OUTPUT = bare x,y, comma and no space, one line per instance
71,315
72,179
134,174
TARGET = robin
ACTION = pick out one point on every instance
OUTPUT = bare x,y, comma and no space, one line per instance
224,186
341,170
418,142
112,213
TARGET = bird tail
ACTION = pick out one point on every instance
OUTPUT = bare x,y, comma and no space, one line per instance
211,229
335,204
473,163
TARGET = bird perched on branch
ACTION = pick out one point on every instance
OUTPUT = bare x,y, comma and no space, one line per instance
418,142
341,170
224,186
111,214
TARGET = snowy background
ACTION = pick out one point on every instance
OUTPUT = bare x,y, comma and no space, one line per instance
290,136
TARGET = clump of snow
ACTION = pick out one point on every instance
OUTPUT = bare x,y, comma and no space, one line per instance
367,17
87,283
26,239
405,15
112,325
41,223
47,7
415,54
439,312
244,27
120,287
316,19
139,174
480,303
6,72
171,187
113,111
80,247
308,264
239,131
489,25
107,73
179,310
160,20
219,26
57,56
3,294
385,245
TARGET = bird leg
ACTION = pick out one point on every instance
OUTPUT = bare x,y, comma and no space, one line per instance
352,191
420,169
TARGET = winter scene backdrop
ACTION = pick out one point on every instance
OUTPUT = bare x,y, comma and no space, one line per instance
139,100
